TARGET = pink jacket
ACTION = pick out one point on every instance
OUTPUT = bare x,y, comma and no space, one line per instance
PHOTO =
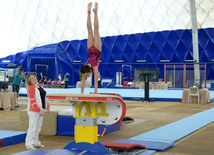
35,102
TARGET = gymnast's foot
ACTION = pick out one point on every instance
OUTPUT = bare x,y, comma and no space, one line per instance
89,6
96,7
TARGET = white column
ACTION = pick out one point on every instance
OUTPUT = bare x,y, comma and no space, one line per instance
195,40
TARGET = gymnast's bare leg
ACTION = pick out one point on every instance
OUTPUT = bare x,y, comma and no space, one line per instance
90,32
93,40
97,44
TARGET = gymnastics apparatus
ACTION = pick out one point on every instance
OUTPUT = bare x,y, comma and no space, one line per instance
92,110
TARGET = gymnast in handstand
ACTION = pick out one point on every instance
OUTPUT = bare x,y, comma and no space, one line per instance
94,50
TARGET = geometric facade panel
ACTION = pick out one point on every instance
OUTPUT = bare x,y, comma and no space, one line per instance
175,46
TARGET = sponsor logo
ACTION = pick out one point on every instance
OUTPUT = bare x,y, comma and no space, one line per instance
71,98
109,99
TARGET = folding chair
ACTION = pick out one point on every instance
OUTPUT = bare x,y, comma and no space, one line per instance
193,91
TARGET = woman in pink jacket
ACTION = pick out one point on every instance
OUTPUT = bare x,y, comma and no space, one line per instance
37,103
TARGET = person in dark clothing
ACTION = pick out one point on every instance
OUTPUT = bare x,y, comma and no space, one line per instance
17,82
41,78
66,78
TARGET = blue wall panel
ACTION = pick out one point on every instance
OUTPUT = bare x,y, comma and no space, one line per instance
173,45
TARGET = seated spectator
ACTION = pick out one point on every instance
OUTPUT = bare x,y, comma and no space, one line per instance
59,83
63,83
54,82
49,82
45,81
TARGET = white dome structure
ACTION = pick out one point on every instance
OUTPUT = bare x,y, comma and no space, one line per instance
25,24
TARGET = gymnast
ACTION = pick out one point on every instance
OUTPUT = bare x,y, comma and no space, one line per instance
94,50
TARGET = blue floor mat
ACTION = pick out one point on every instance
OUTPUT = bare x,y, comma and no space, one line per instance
147,152
56,152
179,129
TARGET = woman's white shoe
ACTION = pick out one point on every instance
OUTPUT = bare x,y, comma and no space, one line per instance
30,148
37,146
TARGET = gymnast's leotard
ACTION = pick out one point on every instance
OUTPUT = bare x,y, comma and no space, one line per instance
94,56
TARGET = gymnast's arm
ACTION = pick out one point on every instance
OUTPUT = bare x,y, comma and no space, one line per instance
82,85
95,79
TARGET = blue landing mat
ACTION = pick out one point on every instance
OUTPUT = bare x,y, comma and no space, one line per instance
147,152
127,94
56,152
151,145
179,129
12,137
160,137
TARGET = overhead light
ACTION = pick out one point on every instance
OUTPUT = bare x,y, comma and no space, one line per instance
101,61
119,61
5,61
212,60
77,61
189,60
164,60
141,61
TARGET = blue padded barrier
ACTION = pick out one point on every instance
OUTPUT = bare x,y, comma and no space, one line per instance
65,126
109,128
12,137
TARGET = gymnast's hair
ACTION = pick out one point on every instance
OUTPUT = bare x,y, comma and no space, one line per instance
85,69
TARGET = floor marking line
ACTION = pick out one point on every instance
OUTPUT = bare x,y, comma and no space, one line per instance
52,152
82,152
